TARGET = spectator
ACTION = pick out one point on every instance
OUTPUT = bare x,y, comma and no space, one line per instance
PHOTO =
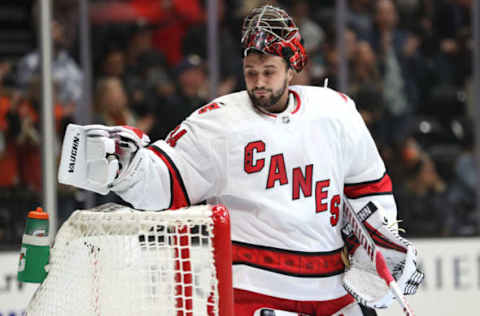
195,43
28,141
368,98
332,59
156,88
147,78
465,194
192,92
176,17
364,67
192,79
65,71
360,18
398,58
111,103
453,62
113,63
140,56
9,130
111,108
424,202
451,16
312,33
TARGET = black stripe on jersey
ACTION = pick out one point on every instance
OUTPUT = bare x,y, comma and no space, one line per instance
176,175
294,252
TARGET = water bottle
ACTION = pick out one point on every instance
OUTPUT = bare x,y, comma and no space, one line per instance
35,250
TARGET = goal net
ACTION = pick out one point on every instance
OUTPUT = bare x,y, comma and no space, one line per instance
113,260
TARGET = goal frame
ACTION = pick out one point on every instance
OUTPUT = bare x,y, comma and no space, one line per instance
220,301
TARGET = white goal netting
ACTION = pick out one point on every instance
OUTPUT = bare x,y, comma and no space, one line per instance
113,260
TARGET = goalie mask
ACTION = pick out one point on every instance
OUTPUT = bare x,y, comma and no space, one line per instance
271,30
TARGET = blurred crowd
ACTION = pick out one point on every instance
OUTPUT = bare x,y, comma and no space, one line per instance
409,72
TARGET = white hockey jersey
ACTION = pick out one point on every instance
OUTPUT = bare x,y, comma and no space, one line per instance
282,176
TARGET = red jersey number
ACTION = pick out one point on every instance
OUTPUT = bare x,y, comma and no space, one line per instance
175,135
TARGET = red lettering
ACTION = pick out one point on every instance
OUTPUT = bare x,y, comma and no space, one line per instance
334,209
208,107
321,192
277,171
302,182
251,166
174,136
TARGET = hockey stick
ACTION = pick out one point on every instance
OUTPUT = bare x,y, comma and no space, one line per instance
376,257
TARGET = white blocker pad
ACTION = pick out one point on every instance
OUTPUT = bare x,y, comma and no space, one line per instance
85,162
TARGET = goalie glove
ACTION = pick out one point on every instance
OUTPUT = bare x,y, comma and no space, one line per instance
96,157
361,279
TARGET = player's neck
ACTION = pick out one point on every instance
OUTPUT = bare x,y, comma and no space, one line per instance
281,105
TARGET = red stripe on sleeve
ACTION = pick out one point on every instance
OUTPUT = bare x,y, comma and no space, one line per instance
380,186
179,196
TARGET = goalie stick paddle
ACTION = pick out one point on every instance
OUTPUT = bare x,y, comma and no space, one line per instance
376,257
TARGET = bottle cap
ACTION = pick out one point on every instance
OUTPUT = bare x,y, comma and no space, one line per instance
38,214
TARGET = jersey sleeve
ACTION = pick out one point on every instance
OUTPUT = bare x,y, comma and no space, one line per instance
366,178
181,170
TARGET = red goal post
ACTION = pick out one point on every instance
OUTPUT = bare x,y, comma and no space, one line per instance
114,260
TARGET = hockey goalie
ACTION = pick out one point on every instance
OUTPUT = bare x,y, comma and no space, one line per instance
284,160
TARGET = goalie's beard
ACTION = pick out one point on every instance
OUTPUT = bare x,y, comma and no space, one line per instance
267,102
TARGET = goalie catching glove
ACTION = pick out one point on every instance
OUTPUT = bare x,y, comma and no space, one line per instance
361,279
98,157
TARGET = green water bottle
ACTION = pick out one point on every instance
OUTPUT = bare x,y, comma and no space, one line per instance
35,250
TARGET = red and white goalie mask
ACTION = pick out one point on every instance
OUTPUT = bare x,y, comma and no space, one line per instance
271,30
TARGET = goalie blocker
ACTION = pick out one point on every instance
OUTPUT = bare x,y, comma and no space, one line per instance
98,157
361,279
